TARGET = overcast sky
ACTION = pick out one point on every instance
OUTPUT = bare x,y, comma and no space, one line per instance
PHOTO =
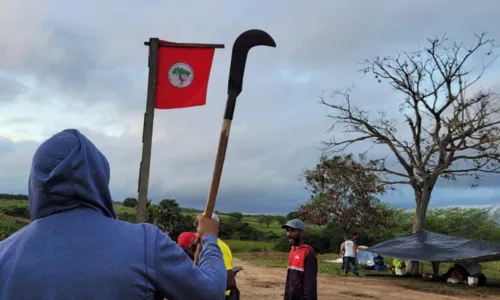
82,64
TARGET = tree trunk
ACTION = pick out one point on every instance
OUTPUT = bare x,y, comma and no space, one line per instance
422,198
422,203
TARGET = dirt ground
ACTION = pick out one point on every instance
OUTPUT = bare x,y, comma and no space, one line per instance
258,282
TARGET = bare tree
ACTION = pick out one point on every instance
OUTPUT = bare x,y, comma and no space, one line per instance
452,131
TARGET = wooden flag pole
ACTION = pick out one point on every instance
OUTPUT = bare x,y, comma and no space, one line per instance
147,134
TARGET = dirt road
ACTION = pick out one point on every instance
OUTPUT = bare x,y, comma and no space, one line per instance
258,282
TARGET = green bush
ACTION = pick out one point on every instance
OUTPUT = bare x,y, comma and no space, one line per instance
235,229
282,244
16,211
271,236
15,208
324,241
128,217
9,226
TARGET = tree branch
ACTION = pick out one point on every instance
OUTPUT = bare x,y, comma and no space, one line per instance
448,127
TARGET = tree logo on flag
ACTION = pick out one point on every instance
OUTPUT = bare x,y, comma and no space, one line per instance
180,75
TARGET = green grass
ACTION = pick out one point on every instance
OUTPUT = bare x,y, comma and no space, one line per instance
254,222
120,209
6,205
238,246
16,207
9,225
491,271
19,209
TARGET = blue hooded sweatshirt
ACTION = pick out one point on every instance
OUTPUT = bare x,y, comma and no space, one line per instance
75,248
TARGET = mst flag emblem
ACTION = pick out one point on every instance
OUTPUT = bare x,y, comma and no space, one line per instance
176,84
180,75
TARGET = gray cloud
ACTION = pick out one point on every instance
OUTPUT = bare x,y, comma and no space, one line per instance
10,89
80,60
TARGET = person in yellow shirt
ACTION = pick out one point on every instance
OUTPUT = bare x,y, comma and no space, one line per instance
227,256
187,240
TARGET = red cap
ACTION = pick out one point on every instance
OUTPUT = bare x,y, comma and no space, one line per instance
186,239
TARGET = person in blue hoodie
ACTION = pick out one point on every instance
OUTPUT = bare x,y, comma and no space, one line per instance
75,248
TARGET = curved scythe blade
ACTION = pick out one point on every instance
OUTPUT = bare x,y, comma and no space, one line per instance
241,47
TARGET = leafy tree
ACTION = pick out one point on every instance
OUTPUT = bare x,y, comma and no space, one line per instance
268,220
292,215
471,223
343,194
396,222
451,130
327,240
234,229
280,220
130,202
181,73
168,217
238,216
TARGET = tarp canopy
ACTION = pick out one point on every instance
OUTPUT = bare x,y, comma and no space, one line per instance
431,246
364,257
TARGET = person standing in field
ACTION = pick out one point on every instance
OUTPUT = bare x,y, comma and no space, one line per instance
227,255
349,249
355,239
302,275
75,248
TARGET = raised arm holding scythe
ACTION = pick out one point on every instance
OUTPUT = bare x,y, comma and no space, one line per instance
241,47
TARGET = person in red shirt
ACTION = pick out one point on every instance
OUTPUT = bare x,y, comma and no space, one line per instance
301,279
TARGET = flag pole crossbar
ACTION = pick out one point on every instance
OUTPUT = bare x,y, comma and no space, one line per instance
186,45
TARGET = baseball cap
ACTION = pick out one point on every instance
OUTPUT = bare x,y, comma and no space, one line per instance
186,239
295,223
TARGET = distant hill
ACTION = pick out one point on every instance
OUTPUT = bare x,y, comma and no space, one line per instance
117,204
15,214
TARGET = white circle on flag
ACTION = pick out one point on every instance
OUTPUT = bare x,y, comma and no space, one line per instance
180,75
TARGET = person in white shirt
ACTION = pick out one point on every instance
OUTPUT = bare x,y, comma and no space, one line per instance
349,249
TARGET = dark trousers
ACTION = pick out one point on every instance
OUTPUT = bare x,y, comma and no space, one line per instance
233,295
348,261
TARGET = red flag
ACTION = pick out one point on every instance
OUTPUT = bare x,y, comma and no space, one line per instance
182,77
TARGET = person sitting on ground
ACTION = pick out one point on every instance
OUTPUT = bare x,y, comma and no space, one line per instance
349,249
75,248
462,270
302,275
